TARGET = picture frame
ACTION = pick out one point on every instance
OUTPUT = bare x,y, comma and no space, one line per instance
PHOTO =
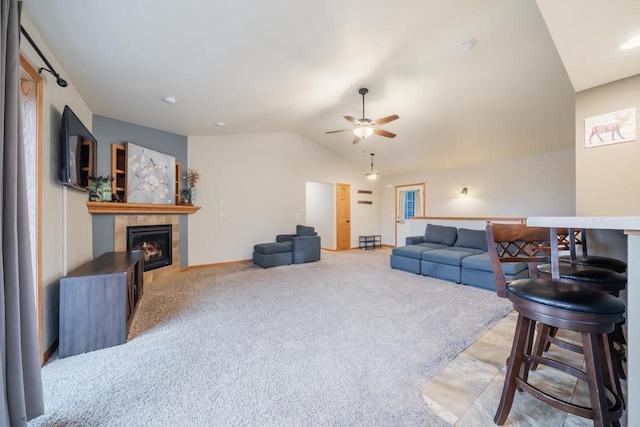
610,128
151,176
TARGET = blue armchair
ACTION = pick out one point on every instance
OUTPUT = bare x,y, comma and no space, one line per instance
304,246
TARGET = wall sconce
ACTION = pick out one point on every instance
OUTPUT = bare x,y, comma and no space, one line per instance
464,192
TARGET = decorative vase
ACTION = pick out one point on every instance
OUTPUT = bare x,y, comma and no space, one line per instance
104,191
93,194
192,195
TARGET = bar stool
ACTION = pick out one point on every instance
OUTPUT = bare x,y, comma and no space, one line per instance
579,237
593,278
560,304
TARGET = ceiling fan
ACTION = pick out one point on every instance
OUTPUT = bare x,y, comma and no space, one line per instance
364,127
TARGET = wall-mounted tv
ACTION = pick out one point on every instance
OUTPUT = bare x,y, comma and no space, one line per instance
77,151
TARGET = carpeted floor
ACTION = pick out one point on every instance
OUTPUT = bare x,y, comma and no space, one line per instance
343,341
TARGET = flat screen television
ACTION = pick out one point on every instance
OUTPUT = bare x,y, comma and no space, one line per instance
77,151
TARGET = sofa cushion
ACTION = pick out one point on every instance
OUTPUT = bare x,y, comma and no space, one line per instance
446,256
482,262
304,231
440,234
411,251
429,245
476,239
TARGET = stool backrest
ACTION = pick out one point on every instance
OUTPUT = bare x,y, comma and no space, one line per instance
516,243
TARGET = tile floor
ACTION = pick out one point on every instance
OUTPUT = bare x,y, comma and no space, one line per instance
467,391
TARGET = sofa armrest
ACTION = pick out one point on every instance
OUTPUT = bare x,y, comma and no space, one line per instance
414,240
305,249
284,237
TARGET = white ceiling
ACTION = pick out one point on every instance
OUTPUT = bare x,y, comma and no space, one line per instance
296,66
588,34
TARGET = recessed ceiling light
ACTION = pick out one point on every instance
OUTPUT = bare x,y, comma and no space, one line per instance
220,124
169,100
468,45
630,44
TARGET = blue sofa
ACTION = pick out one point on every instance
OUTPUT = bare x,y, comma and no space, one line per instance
458,255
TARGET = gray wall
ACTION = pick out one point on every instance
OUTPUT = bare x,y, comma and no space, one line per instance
108,131
607,176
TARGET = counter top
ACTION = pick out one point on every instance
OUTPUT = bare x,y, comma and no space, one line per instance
593,222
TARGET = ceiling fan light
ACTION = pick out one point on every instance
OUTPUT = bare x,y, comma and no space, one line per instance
363,131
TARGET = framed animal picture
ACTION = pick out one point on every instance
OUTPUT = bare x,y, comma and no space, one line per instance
611,128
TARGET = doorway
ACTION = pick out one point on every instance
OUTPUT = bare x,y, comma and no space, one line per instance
343,216
410,202
321,202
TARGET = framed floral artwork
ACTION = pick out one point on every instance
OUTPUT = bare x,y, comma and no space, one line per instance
151,176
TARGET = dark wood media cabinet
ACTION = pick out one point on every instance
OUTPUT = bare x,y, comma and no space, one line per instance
98,301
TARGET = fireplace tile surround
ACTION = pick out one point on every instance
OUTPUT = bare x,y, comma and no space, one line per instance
120,240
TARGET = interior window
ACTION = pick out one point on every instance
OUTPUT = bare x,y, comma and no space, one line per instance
410,204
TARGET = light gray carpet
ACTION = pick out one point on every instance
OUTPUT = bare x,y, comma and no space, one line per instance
343,341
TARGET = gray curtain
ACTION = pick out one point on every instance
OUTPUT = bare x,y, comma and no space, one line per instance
19,350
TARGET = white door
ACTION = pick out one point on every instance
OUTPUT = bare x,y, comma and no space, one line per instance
409,203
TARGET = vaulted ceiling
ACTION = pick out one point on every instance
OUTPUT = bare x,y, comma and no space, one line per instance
296,66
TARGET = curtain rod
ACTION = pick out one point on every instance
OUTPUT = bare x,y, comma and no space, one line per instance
61,82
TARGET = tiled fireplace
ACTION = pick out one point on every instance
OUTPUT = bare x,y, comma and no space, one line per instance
120,240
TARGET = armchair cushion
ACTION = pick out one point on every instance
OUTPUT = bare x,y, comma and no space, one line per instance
284,237
304,231
272,248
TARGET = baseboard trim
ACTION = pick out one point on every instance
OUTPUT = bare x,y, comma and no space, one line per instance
49,351
244,261
215,264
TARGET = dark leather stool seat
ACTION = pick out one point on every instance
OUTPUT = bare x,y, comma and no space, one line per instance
565,296
598,279
596,261
572,237
555,303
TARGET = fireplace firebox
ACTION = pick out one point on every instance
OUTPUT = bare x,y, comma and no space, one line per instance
154,241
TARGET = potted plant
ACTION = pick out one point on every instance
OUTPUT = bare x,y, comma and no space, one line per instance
192,178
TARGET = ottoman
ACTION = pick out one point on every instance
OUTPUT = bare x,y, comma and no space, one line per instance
407,258
445,263
477,271
272,254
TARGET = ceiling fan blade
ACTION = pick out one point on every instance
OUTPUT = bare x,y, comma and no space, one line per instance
386,120
352,119
341,130
383,132
356,139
